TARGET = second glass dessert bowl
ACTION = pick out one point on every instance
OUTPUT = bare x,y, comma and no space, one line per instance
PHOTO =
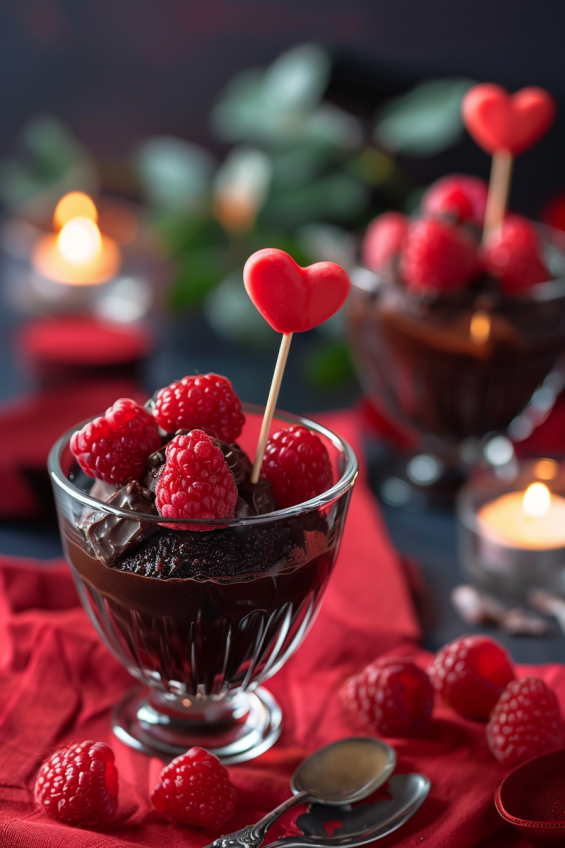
452,338
202,642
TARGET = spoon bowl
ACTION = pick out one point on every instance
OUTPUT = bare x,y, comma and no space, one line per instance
345,771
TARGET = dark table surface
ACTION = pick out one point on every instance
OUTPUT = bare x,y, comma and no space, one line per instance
429,536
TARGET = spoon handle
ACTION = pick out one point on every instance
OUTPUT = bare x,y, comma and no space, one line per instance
253,835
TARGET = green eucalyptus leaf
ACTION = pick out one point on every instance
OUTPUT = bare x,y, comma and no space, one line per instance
175,174
53,163
336,197
425,121
334,127
240,114
300,162
296,80
274,107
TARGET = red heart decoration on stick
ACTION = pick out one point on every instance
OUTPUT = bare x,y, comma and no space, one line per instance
294,299
498,120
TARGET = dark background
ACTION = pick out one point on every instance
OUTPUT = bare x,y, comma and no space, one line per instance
117,71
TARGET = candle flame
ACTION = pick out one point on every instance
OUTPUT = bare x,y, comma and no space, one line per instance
480,327
537,499
79,241
75,204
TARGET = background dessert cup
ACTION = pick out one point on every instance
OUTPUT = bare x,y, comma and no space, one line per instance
201,643
457,366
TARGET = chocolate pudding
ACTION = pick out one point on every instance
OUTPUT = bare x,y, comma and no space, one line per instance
199,613
454,365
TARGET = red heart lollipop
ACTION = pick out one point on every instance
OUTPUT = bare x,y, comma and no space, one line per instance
498,120
294,299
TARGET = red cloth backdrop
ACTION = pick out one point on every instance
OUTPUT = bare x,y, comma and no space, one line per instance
58,684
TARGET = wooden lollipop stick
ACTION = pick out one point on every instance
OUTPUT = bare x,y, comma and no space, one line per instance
499,186
271,404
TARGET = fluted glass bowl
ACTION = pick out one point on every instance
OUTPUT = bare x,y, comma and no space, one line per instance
200,645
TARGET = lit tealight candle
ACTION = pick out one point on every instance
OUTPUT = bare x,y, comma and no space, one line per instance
79,254
533,520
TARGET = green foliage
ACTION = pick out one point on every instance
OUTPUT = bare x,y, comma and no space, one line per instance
425,121
299,176
52,162
175,174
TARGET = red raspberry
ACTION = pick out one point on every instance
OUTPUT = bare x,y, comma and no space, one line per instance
513,255
457,196
79,784
525,722
384,239
195,789
115,446
391,696
196,482
471,673
297,465
438,256
206,402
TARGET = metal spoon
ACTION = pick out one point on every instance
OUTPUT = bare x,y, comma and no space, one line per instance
341,773
363,823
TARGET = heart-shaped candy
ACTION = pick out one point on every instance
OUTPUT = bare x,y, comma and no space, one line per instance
498,120
294,299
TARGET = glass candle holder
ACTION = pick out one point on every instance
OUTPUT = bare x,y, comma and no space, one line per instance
511,527
110,267
201,645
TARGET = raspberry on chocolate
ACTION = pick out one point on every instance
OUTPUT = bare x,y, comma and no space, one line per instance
525,722
459,197
471,673
513,255
438,256
115,447
384,239
204,402
79,784
195,482
195,790
297,465
390,696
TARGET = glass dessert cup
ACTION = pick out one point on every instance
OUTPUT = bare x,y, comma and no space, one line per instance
202,644
459,366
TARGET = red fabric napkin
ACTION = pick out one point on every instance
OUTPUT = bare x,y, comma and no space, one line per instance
58,683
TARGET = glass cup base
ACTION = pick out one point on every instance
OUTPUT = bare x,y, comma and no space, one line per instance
250,726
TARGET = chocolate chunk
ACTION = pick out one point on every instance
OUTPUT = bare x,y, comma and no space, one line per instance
110,536
157,458
238,462
102,491
258,496
152,478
